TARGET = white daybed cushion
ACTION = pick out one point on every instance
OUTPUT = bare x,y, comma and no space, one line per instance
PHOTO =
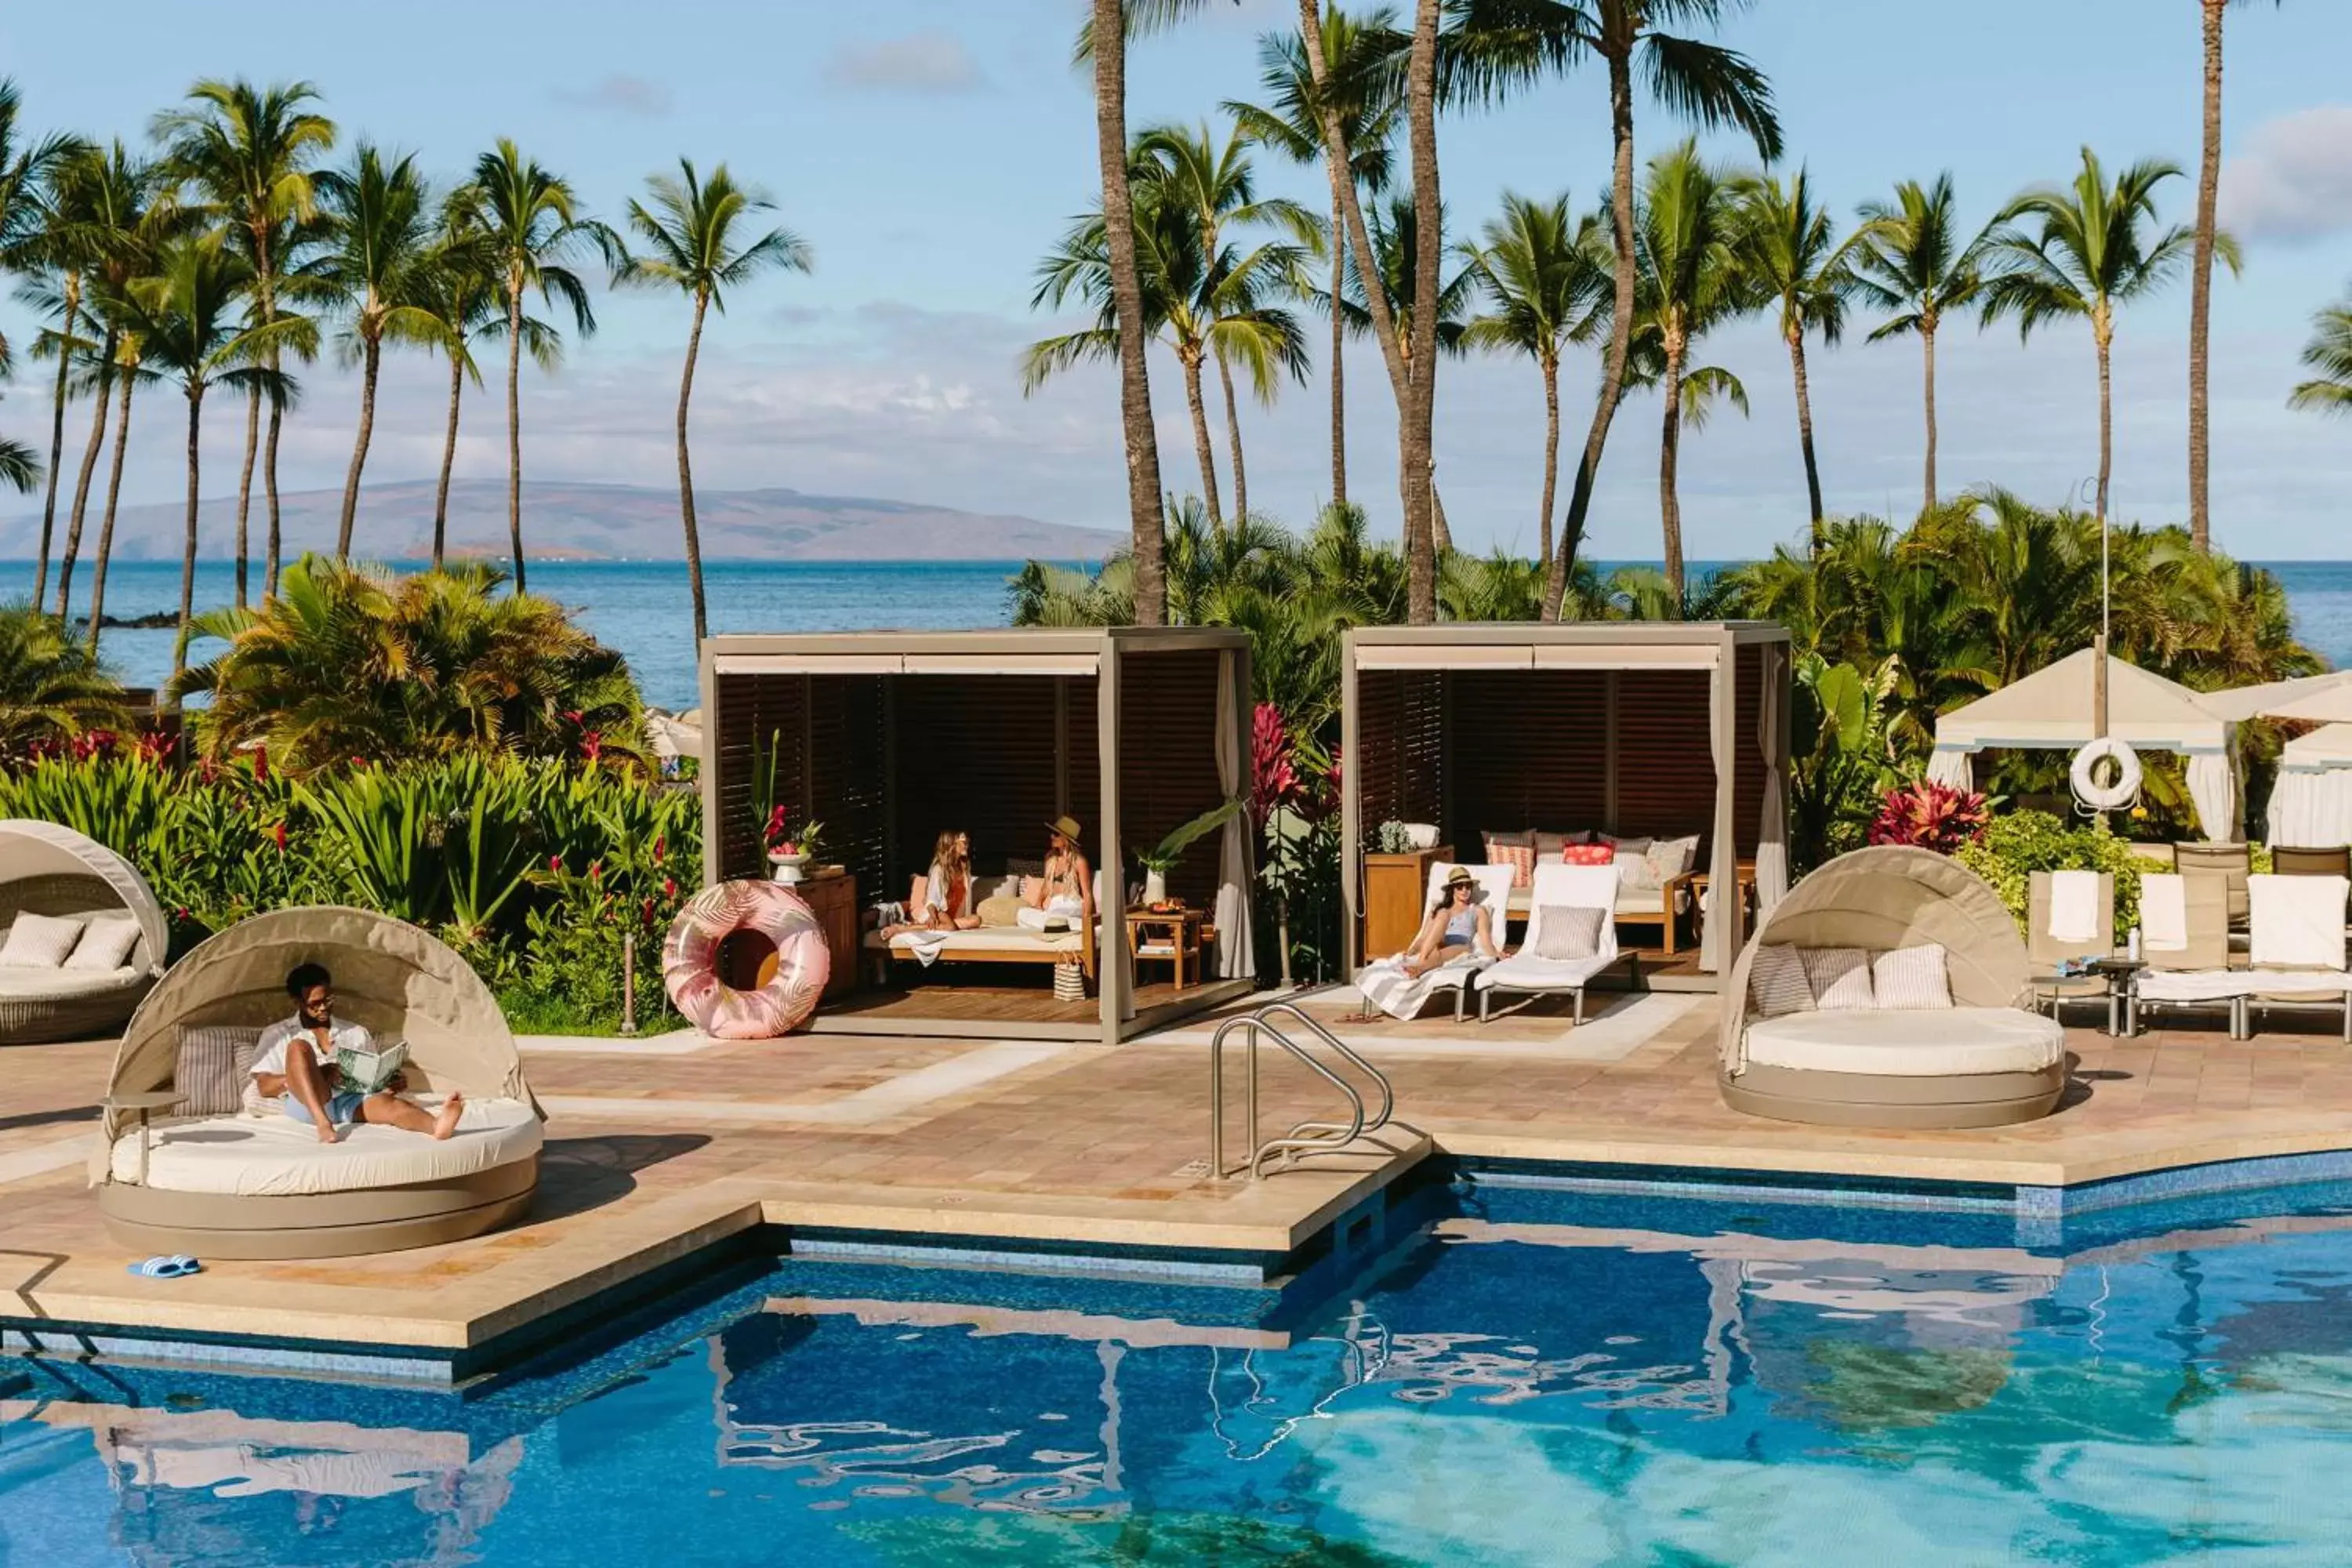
987,938
276,1156
27,985
1929,1043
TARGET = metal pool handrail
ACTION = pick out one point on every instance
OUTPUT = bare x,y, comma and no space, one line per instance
1305,1138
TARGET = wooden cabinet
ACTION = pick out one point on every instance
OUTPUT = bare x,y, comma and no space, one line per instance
1396,888
748,961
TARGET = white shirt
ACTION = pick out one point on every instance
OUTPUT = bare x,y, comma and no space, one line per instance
269,1054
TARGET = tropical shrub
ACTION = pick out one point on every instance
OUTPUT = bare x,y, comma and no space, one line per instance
1929,816
355,662
2017,844
52,686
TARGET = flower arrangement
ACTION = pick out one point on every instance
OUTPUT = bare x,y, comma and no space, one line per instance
1931,815
782,841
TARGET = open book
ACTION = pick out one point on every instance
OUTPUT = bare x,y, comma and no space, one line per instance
366,1072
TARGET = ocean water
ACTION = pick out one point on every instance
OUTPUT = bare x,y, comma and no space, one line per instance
644,609
1523,1378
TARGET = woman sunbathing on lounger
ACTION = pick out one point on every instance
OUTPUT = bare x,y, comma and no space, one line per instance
1065,894
294,1064
947,890
1458,926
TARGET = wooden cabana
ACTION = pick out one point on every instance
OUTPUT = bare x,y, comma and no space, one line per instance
886,738
1634,728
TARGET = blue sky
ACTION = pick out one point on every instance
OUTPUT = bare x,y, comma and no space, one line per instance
929,151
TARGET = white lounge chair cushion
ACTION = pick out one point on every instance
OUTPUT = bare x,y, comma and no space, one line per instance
2220,985
106,942
1524,972
276,1156
20,984
39,941
2297,921
1906,979
998,938
1953,1042
1778,982
1839,977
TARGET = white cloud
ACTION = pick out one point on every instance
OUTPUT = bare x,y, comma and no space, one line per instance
928,62
2293,181
634,96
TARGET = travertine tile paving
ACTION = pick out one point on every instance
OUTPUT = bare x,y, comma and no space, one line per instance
1083,1143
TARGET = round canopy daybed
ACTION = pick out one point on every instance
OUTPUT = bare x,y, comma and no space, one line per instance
49,870
218,1178
1987,1060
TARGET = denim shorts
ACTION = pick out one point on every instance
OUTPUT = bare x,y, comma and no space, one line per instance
343,1109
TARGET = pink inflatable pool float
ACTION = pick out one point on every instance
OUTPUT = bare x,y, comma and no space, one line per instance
690,961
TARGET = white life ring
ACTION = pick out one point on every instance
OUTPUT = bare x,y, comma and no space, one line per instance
2123,793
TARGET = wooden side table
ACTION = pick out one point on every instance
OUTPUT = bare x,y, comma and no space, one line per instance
1396,897
1179,942
831,895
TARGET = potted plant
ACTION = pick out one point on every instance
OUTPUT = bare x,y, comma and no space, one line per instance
790,848
1160,859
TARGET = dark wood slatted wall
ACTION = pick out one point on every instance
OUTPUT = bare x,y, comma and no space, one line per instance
1083,693
1531,750
1748,762
1665,755
752,710
975,752
1400,761
1168,760
848,769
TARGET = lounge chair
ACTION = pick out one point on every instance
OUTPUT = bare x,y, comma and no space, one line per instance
1527,972
1386,987
192,1161
2299,946
2233,863
48,869
1987,1060
2187,959
2047,948
2293,861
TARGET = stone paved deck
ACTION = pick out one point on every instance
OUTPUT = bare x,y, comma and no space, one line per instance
655,1151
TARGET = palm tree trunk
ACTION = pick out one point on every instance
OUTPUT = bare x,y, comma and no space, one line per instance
266,294
1928,354
187,547
1441,535
1147,529
1621,334
685,472
1551,462
514,419
2103,335
1415,440
1234,439
2201,280
88,466
57,436
448,461
1670,440
1339,371
244,486
1198,406
372,360
277,546
1805,440
106,523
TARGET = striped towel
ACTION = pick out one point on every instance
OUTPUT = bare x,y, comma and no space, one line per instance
1388,987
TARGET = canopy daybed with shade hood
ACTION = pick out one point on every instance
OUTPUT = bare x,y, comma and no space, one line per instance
213,1179
49,870
2053,709
1986,1059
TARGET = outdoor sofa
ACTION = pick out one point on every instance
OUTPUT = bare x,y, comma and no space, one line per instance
50,870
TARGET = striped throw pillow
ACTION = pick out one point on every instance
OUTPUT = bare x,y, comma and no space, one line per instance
1517,850
1840,978
1912,977
1563,931
1777,982
215,1060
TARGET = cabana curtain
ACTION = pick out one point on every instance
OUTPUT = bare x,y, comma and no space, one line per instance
2310,807
2214,785
1772,830
1236,942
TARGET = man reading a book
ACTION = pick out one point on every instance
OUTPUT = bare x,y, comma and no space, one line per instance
297,1063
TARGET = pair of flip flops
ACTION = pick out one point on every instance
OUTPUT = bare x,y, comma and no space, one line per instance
172,1268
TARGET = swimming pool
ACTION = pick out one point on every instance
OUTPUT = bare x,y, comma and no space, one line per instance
1524,1375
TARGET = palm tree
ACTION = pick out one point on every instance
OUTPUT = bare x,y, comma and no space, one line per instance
379,246
1792,253
186,319
51,687
2329,352
28,235
1547,282
1365,90
2200,276
1503,44
249,151
1910,259
531,224
2094,252
459,288
1689,238
691,226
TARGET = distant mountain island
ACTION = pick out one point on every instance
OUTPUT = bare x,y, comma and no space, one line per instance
595,523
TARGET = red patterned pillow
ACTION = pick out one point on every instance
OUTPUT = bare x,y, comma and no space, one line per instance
1588,855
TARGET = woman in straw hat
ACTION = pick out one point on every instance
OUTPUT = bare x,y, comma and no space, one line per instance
1459,926
1066,893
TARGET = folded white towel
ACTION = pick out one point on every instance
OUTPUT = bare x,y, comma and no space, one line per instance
2298,921
2074,906
2163,912
1060,913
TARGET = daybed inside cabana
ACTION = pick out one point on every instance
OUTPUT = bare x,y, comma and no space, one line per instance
192,1161
93,943
1660,747
1889,989
889,738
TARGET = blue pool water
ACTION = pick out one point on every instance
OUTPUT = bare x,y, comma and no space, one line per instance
1529,1377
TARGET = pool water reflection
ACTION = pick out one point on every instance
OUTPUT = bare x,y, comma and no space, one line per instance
1530,1377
